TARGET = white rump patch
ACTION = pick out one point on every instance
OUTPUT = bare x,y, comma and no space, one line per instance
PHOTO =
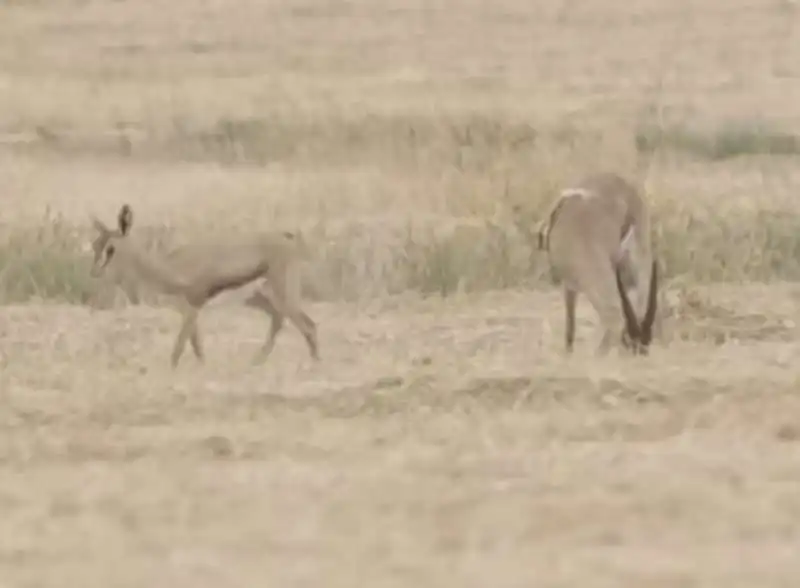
626,240
546,225
575,193
625,244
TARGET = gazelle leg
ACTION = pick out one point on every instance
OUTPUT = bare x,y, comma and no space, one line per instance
263,302
308,328
570,301
197,343
188,327
274,302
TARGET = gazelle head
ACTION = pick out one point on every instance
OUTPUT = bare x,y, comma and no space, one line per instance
637,336
104,245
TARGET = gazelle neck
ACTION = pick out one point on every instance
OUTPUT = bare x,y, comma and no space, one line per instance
151,268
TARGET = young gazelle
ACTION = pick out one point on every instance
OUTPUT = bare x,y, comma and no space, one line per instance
195,273
591,234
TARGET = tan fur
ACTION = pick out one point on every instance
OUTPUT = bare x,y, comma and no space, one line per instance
195,273
598,226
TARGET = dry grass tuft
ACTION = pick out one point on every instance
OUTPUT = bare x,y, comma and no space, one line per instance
441,254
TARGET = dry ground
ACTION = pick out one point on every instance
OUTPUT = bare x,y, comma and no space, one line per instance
440,442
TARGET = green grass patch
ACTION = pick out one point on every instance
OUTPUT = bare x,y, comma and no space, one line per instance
52,263
733,139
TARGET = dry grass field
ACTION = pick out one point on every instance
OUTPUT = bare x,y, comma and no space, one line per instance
444,439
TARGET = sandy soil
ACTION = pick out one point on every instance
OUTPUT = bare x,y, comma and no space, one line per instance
436,443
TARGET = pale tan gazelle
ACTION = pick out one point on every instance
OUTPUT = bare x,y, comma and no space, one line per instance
195,273
597,235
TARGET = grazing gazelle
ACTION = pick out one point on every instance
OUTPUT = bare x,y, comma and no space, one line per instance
591,233
195,273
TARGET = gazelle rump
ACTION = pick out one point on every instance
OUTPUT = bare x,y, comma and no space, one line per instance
196,273
597,236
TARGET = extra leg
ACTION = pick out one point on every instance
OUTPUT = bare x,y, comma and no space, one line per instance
605,342
605,300
287,297
132,292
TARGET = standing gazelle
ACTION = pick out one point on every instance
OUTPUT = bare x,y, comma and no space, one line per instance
590,234
195,273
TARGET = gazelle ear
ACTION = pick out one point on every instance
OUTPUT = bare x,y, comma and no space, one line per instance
125,219
631,322
652,303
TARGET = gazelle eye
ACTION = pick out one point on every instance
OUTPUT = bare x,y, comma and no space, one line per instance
109,253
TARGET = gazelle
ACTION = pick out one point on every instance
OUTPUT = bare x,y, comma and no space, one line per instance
195,273
590,233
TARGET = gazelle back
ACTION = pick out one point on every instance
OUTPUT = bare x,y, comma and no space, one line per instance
598,242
